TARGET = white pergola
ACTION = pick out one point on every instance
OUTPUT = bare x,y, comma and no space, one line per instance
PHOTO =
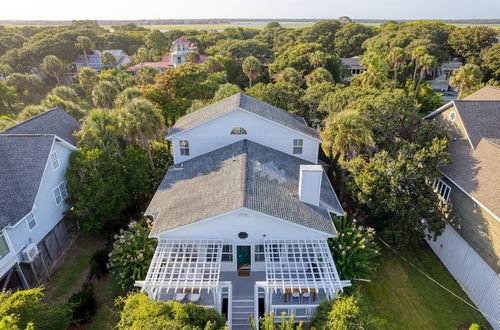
306,265
181,265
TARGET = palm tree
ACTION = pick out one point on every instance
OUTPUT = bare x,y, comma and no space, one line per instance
53,67
426,65
99,130
104,94
317,59
108,60
396,58
466,77
348,133
377,70
252,68
140,121
416,55
84,43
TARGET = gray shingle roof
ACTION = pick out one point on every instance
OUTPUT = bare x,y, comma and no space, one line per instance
249,104
55,121
94,60
242,174
481,119
351,62
22,163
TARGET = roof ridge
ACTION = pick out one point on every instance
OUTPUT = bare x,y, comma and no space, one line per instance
245,173
32,118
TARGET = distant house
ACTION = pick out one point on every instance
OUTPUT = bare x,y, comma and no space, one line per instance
257,239
33,158
469,189
177,56
352,66
441,79
94,60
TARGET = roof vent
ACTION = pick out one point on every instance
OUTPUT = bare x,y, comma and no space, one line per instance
310,183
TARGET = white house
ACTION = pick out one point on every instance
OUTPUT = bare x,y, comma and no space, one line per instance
33,157
352,66
243,216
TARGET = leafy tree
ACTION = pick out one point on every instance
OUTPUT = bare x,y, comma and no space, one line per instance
343,313
426,64
108,60
342,98
349,134
142,55
28,87
240,49
87,77
354,249
268,322
322,32
470,41
225,91
53,67
282,95
5,70
396,58
24,309
289,75
104,93
146,75
7,98
66,99
140,313
318,59
252,68
192,57
99,130
140,120
85,44
319,75
491,62
350,37
128,95
312,99
132,252
118,77
157,42
31,111
94,176
466,77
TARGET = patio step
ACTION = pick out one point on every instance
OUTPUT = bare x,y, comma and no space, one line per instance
242,308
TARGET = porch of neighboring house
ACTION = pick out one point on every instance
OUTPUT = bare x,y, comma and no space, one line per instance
299,275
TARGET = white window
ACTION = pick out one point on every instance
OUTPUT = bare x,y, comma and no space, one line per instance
54,160
297,146
238,131
30,220
442,189
227,253
259,253
60,193
4,247
184,147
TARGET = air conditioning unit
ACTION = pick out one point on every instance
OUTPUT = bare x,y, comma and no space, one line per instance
30,252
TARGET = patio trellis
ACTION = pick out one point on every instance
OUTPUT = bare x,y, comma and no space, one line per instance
302,265
183,264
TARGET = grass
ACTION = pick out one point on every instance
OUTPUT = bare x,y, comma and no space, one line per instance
399,297
106,290
72,269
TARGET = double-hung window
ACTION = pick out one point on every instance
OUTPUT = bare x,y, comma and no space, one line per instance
442,189
297,146
30,220
4,247
227,253
54,160
60,193
259,253
184,147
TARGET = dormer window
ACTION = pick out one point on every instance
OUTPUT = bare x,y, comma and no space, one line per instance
184,147
54,160
238,131
297,146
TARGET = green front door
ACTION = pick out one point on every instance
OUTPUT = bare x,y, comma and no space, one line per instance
244,256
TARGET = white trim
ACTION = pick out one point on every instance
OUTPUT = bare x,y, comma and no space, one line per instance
472,197
463,125
438,110
169,137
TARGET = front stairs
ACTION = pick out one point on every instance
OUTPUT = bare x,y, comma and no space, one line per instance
243,307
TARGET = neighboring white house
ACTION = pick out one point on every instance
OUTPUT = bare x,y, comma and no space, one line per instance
33,157
352,66
243,216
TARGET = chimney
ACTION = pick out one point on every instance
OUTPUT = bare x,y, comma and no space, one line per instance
310,183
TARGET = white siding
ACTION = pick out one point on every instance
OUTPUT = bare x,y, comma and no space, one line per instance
477,279
47,213
216,133
258,226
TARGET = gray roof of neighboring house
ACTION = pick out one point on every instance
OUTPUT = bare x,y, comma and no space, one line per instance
22,163
351,62
94,60
55,121
242,174
249,104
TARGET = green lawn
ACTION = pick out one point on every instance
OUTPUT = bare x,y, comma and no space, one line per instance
399,297
106,290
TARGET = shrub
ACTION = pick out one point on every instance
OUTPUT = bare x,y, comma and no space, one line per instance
99,261
354,249
268,322
132,252
83,306
343,313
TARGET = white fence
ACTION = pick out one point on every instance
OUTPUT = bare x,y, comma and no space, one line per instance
477,279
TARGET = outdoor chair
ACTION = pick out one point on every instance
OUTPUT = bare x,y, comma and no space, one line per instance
194,297
296,295
306,295
180,296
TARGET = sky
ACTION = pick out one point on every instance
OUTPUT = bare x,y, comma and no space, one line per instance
165,9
